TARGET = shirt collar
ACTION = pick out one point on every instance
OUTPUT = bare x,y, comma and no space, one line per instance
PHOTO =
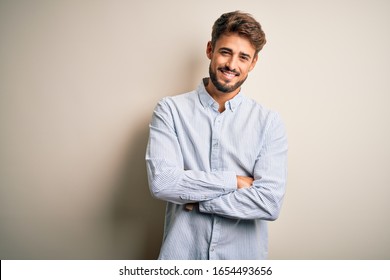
205,98
207,101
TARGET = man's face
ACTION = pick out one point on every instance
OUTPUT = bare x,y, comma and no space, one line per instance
232,58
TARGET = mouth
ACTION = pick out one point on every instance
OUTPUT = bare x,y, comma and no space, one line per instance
228,74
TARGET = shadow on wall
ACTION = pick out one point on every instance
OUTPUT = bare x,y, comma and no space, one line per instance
138,218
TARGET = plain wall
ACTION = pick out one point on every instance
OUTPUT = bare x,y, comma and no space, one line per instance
78,84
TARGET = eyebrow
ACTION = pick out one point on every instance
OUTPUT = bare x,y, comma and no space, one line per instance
230,50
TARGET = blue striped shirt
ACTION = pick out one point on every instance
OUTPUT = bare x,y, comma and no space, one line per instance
193,156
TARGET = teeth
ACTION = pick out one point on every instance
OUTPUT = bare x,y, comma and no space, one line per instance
229,75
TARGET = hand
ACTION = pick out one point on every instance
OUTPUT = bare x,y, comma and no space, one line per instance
189,206
244,182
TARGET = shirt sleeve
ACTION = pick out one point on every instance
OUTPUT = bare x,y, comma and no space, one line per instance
166,175
264,198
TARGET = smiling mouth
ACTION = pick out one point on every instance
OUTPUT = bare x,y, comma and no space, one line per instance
228,73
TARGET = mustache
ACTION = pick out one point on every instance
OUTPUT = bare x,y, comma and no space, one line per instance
227,69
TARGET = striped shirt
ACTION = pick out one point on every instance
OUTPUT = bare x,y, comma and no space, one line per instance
193,156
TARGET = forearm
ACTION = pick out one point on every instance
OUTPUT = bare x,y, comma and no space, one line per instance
262,200
242,182
255,202
172,184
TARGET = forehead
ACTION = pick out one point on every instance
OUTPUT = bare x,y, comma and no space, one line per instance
236,43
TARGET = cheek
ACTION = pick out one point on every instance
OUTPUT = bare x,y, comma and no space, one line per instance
219,60
244,69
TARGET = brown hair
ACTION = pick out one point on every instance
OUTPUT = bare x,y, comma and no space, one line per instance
241,23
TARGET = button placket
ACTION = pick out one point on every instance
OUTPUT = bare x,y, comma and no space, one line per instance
215,166
215,143
214,237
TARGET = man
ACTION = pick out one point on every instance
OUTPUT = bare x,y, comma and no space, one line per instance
218,158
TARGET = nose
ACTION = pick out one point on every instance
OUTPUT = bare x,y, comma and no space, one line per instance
232,63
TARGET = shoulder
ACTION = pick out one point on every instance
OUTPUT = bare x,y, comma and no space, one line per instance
183,99
259,110
266,119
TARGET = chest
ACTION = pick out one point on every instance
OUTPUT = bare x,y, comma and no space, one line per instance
214,141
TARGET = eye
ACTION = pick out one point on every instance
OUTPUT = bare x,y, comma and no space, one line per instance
244,57
225,51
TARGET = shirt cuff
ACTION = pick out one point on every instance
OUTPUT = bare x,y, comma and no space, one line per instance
205,207
230,181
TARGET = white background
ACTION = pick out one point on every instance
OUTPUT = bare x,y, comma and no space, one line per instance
78,84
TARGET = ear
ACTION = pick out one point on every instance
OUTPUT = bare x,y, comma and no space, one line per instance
254,61
209,50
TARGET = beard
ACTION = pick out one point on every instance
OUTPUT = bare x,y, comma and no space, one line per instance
224,87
